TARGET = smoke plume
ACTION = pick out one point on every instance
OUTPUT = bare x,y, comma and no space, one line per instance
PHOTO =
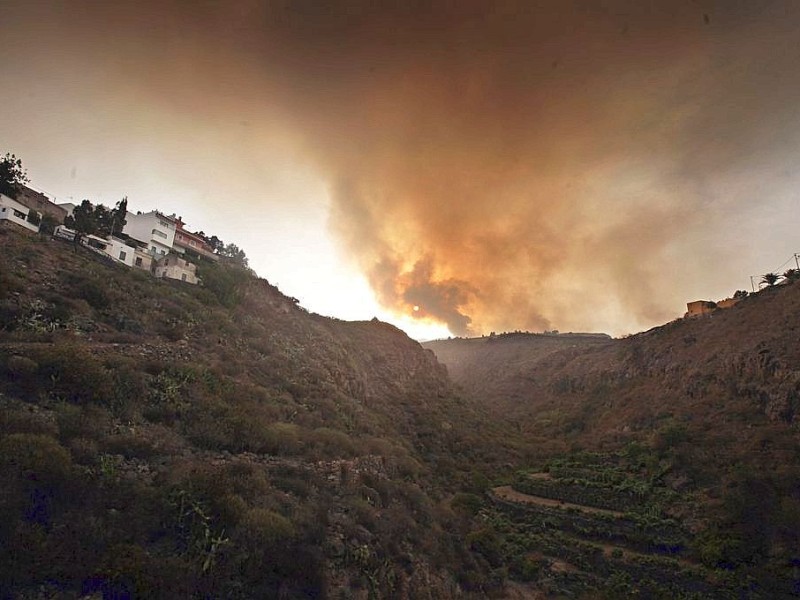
499,165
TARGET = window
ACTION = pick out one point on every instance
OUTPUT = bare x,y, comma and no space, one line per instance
166,262
160,234
183,276
138,261
122,255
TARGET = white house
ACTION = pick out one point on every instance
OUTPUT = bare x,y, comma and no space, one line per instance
116,248
120,251
12,211
142,260
154,229
172,266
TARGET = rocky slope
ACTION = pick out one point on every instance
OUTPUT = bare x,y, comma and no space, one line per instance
165,440
498,368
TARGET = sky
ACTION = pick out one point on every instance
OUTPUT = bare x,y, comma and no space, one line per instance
454,168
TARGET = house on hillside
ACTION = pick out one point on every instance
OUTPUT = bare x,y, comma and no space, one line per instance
192,244
142,259
728,302
173,266
40,203
116,249
155,230
698,308
120,251
13,213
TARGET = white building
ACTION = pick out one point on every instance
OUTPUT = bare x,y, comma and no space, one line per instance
120,251
154,229
142,260
172,266
12,211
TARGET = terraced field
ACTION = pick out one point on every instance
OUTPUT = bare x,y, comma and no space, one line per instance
599,526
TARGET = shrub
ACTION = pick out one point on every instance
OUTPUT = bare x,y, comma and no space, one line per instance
23,421
266,529
90,422
64,373
94,294
35,471
84,451
468,503
128,445
34,457
330,443
224,281
487,543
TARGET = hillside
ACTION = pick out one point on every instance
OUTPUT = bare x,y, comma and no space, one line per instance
700,416
164,440
497,368
159,439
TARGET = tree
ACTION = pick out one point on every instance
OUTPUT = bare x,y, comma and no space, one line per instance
216,244
12,175
770,279
48,224
103,220
235,254
100,220
119,216
83,219
740,294
792,275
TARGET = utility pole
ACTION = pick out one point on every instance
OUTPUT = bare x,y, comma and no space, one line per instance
752,285
796,255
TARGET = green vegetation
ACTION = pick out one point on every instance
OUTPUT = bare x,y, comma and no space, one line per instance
572,549
12,175
98,220
770,279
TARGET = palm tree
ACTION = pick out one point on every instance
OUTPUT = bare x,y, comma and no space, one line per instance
791,275
770,279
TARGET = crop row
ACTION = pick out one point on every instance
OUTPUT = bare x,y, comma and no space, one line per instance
662,536
672,578
602,475
597,496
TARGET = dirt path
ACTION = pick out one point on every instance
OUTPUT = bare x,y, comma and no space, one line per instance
506,492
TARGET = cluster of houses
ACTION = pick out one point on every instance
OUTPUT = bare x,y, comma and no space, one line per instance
153,241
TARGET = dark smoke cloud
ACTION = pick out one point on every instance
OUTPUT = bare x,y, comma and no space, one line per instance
499,165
